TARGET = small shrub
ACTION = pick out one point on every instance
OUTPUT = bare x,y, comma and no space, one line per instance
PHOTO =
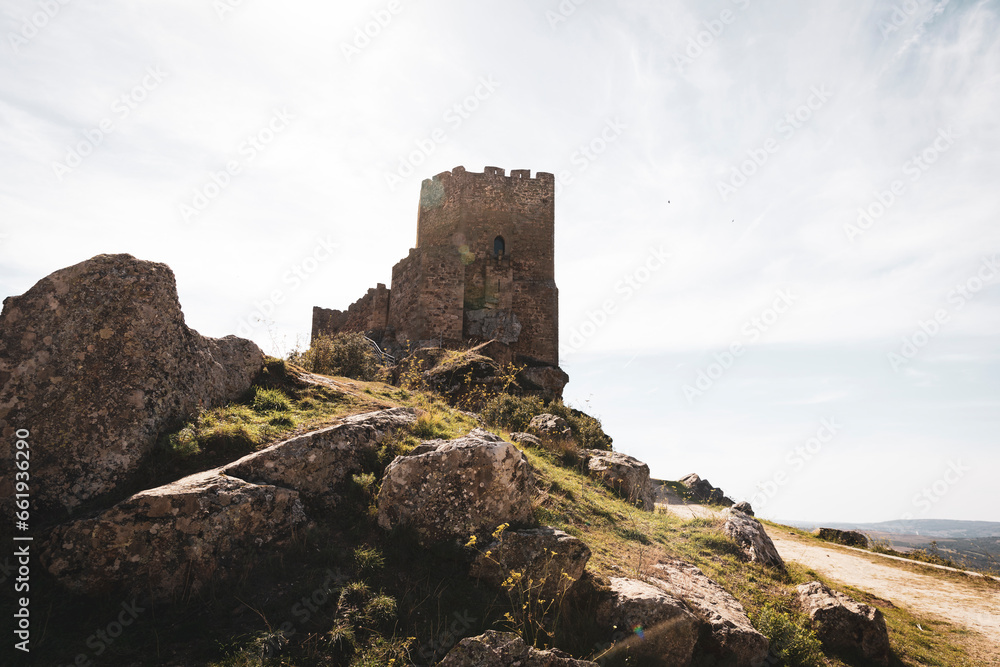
429,426
382,652
792,643
341,640
511,412
381,609
270,400
346,354
587,430
368,560
185,442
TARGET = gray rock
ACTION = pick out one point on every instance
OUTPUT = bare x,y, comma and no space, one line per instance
95,361
553,559
743,506
841,623
446,489
731,639
548,380
174,539
702,491
316,464
626,476
659,628
506,649
550,427
526,439
749,534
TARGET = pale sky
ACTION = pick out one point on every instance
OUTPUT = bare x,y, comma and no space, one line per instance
804,183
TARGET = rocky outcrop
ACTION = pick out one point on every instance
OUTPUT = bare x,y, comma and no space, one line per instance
550,558
173,539
96,360
851,538
550,427
659,627
506,649
743,506
526,439
447,489
753,541
316,464
727,637
843,624
549,381
626,476
702,491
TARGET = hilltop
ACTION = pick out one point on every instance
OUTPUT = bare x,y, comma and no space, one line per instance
197,503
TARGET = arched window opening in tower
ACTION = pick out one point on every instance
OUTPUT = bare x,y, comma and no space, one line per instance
499,247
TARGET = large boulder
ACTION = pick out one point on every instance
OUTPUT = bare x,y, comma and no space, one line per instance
506,649
753,541
851,538
702,491
446,489
173,539
549,381
550,558
659,627
526,439
845,625
550,427
626,476
95,361
316,464
727,638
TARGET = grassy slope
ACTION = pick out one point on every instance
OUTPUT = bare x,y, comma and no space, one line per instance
402,601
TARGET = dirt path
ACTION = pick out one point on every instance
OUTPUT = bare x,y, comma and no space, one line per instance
967,604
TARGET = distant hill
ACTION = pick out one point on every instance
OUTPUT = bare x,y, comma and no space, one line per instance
922,527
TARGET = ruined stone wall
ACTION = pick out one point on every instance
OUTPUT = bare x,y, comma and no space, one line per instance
327,322
369,313
403,300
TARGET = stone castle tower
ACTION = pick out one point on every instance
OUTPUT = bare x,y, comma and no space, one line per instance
483,269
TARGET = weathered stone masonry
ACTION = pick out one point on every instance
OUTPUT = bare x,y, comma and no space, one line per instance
483,269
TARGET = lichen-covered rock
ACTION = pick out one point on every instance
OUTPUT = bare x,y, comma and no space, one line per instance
95,360
526,439
702,491
841,623
447,489
550,558
659,628
626,476
549,426
753,541
173,539
731,639
506,649
316,464
851,538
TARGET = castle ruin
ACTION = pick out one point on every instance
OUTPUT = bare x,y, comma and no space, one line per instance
483,269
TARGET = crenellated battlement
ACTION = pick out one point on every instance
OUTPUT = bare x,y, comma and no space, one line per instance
491,173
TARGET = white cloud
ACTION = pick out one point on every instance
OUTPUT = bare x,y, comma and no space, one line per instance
686,129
